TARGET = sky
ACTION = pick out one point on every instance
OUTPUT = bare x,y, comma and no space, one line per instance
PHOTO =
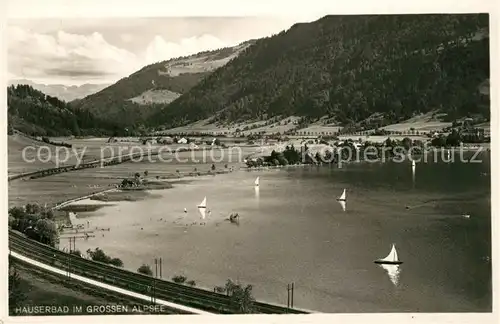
103,50
96,41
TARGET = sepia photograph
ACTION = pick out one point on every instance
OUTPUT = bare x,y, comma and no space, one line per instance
319,163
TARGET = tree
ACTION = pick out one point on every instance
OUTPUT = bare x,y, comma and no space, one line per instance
145,269
47,231
16,294
179,279
99,256
191,283
116,262
146,173
240,298
406,143
453,138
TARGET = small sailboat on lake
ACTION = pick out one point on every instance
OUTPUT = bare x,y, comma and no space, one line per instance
392,258
257,182
413,163
342,197
202,208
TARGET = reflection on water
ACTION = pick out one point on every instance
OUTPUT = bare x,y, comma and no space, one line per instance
393,271
413,168
343,204
257,192
202,212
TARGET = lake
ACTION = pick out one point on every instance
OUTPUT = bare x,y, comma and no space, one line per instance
293,230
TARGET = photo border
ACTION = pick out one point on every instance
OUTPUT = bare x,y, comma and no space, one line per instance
307,11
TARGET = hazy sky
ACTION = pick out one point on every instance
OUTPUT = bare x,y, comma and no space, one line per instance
81,50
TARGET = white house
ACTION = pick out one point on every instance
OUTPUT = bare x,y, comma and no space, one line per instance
182,141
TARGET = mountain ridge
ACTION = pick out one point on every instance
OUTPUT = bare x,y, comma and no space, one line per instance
61,91
348,67
32,112
133,98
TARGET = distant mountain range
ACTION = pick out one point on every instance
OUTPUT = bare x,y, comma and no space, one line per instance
63,92
132,99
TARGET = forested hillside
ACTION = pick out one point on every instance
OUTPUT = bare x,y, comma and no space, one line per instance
349,67
32,112
120,102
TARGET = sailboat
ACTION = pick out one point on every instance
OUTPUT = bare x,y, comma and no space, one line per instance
257,182
343,196
392,258
203,204
413,164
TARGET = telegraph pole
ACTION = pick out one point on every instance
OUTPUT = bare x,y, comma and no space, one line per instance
288,296
160,268
289,288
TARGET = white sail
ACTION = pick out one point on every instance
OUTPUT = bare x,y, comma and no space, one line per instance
413,164
393,255
343,196
257,181
203,204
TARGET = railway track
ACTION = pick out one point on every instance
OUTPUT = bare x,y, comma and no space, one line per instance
110,296
189,296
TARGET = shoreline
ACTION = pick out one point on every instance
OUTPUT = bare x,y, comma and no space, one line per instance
172,179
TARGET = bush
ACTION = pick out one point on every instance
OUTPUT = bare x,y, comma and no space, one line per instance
100,256
179,279
145,269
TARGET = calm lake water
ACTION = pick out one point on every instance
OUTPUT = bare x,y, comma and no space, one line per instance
293,230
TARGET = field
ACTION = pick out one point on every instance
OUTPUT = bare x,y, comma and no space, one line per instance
155,96
427,123
68,185
17,164
205,126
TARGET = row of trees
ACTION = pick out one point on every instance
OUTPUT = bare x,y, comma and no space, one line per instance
36,222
